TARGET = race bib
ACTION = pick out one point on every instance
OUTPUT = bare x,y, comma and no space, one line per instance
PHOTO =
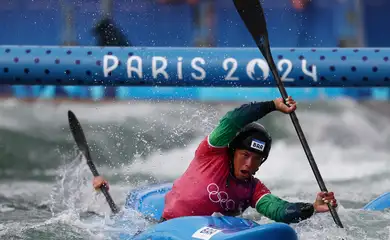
258,145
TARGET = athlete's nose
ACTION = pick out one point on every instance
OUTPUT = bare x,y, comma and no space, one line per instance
249,161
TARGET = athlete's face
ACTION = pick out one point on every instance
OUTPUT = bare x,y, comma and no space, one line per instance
246,163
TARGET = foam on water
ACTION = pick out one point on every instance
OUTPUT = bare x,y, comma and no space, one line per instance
349,143
165,165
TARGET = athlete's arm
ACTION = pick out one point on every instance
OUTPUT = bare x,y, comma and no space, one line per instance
280,210
236,119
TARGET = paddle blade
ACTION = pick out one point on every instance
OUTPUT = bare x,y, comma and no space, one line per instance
81,141
78,135
252,14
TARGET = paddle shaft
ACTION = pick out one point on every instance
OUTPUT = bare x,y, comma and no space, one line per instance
252,13
81,141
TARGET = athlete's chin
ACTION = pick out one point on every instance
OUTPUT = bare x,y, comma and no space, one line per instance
243,178
244,175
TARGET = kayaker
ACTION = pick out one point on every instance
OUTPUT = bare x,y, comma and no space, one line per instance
220,178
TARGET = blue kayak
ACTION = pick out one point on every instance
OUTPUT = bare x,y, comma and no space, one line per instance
150,202
380,203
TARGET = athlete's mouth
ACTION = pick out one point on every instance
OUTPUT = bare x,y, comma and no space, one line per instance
245,173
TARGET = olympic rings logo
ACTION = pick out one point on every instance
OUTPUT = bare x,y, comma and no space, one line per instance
220,197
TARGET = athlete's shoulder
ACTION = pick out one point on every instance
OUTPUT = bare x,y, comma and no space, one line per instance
260,187
205,145
257,181
206,151
259,192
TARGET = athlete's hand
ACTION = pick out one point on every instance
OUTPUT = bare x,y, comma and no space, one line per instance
282,107
322,200
98,182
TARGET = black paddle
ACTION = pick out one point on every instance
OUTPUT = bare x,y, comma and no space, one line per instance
252,14
82,144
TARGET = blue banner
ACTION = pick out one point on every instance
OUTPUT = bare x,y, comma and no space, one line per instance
192,67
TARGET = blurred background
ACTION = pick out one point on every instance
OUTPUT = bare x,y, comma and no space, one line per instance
193,23
151,134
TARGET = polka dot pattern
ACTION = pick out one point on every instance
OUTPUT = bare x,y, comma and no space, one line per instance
334,67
